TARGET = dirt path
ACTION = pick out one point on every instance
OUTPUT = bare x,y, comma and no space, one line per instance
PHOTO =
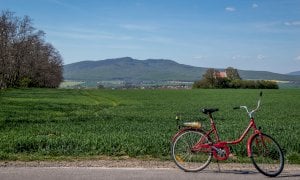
130,163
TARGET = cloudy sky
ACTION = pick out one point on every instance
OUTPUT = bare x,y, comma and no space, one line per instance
245,34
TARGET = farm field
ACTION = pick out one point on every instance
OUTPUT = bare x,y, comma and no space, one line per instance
46,124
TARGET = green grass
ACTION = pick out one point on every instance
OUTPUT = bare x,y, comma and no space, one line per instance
38,124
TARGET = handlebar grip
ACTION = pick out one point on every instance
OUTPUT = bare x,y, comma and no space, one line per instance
237,107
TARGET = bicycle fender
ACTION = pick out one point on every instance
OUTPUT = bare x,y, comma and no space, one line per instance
248,145
183,130
249,141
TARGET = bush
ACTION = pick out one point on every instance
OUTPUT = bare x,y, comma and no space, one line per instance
213,79
201,84
237,84
25,82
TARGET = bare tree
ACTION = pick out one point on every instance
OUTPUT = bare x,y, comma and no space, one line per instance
25,58
7,32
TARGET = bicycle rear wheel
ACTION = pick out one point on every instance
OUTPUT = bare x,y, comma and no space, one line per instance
266,155
183,154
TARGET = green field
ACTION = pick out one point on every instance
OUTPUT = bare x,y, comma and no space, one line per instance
41,124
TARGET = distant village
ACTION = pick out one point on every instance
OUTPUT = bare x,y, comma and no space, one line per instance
127,85
118,84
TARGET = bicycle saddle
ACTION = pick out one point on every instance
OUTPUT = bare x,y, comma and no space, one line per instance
209,110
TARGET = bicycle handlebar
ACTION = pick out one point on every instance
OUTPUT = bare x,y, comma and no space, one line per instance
250,113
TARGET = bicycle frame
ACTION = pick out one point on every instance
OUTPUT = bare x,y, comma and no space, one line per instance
193,147
214,130
219,148
218,144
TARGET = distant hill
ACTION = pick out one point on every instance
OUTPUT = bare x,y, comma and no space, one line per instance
297,73
133,70
128,69
265,75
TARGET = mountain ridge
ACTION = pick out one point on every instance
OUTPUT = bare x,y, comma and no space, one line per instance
129,69
295,73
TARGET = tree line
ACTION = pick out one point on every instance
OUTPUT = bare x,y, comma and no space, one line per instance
26,60
212,79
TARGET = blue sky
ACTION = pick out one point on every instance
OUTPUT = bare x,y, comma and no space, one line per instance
245,34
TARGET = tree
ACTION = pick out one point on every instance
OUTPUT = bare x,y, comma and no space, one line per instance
232,74
7,31
209,77
26,60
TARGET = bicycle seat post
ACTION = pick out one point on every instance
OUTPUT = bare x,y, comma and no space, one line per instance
210,118
213,126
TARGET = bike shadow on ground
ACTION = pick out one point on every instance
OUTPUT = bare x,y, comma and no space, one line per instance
234,172
249,172
286,175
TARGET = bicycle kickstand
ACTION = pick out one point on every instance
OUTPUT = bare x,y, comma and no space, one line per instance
218,166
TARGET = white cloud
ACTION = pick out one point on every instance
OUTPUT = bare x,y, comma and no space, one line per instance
156,39
254,6
235,57
297,58
292,23
260,57
274,27
230,9
199,57
65,4
85,34
138,27
127,47
240,57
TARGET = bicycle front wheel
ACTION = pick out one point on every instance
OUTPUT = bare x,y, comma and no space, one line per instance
266,155
185,156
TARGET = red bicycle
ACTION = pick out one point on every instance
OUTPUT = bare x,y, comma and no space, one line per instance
192,147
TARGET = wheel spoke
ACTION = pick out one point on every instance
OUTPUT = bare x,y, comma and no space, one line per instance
267,155
185,157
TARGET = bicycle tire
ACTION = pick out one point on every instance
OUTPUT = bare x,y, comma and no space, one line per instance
182,154
266,155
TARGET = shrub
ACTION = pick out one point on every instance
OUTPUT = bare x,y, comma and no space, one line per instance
237,84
